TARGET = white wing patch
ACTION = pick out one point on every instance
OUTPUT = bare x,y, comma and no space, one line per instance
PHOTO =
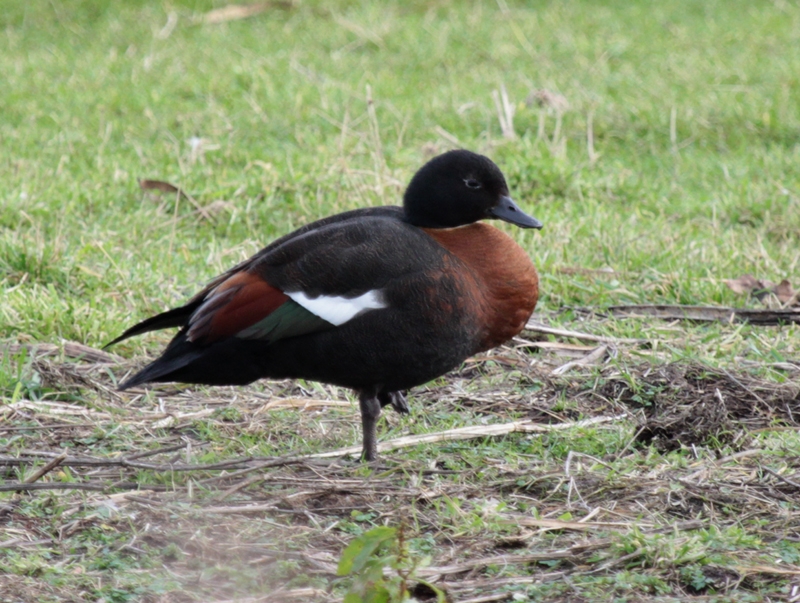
338,310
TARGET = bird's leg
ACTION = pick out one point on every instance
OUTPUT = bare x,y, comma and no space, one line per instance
370,411
396,399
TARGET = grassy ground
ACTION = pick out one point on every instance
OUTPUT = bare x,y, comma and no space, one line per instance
659,144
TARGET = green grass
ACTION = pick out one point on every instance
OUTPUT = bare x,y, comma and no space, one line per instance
300,112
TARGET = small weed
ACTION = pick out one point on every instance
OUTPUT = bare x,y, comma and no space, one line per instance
693,576
18,379
366,559
789,552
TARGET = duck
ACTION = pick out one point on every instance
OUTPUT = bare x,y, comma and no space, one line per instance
378,300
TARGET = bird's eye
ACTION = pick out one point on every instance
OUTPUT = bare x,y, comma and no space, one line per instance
472,183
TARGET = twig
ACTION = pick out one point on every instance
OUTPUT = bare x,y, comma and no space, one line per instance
593,358
470,585
617,561
18,542
577,526
279,462
147,453
706,314
78,462
502,560
270,506
766,569
303,403
49,486
469,433
533,327
784,479
70,349
54,408
489,598
280,595
553,345
77,486
40,427
572,454
46,468
716,464
143,500
241,485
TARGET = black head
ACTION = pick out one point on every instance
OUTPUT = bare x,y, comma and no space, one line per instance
458,188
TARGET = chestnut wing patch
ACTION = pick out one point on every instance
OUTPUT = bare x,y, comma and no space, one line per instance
247,307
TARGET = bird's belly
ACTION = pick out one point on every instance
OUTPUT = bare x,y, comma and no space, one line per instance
388,348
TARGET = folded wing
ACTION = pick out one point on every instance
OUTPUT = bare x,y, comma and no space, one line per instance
318,279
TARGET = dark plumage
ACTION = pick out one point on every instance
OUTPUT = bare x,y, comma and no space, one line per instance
378,299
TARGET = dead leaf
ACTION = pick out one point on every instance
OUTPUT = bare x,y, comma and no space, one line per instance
166,187
786,294
743,284
160,185
765,291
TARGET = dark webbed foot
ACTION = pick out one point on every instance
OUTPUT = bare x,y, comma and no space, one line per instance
396,399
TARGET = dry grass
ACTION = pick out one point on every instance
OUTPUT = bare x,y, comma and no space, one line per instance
690,488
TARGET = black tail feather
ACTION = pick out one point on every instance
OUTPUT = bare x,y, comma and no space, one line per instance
178,355
177,317
139,378
155,371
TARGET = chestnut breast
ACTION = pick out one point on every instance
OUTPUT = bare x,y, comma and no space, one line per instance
505,279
